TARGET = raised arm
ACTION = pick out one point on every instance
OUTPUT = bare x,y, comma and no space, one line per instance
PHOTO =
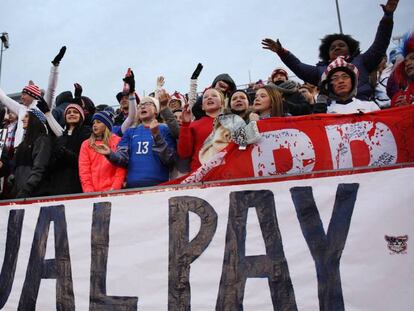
167,115
192,95
53,78
11,104
373,56
129,80
305,72
185,147
53,123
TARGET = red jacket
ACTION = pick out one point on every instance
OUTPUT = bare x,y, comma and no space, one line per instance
96,172
408,93
191,139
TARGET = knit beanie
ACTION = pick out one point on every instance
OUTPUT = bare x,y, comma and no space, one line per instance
105,117
78,108
280,71
180,97
32,90
339,64
153,100
38,114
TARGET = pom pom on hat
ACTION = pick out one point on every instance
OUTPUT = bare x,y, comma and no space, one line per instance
105,117
32,90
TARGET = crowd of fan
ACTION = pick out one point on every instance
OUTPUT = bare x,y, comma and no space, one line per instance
66,145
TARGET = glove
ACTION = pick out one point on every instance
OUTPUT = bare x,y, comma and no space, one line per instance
131,82
321,105
59,57
197,71
42,105
78,90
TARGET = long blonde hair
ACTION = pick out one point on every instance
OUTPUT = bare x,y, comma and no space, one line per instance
105,139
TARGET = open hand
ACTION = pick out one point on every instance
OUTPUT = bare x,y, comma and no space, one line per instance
270,44
160,81
163,98
186,114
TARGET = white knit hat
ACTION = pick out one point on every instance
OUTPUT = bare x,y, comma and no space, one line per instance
153,100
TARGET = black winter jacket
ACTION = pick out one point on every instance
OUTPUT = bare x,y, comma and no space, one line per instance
64,169
31,163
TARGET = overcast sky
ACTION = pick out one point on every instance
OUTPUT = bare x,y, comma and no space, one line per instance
169,38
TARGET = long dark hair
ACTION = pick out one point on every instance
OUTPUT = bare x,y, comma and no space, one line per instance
34,129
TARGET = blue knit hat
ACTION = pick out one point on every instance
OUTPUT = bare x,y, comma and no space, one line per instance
38,114
105,117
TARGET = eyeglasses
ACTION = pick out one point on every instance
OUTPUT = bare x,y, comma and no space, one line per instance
146,104
343,76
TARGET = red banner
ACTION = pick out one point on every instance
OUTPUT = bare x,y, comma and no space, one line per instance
319,142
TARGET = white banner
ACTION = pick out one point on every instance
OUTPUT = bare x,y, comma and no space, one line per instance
331,243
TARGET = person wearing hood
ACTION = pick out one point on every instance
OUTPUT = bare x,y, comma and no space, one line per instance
335,45
293,102
225,84
339,83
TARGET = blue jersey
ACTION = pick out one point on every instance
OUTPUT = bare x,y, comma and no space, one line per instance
145,167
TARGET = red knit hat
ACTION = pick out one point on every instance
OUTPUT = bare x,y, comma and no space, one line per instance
180,97
32,90
280,71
